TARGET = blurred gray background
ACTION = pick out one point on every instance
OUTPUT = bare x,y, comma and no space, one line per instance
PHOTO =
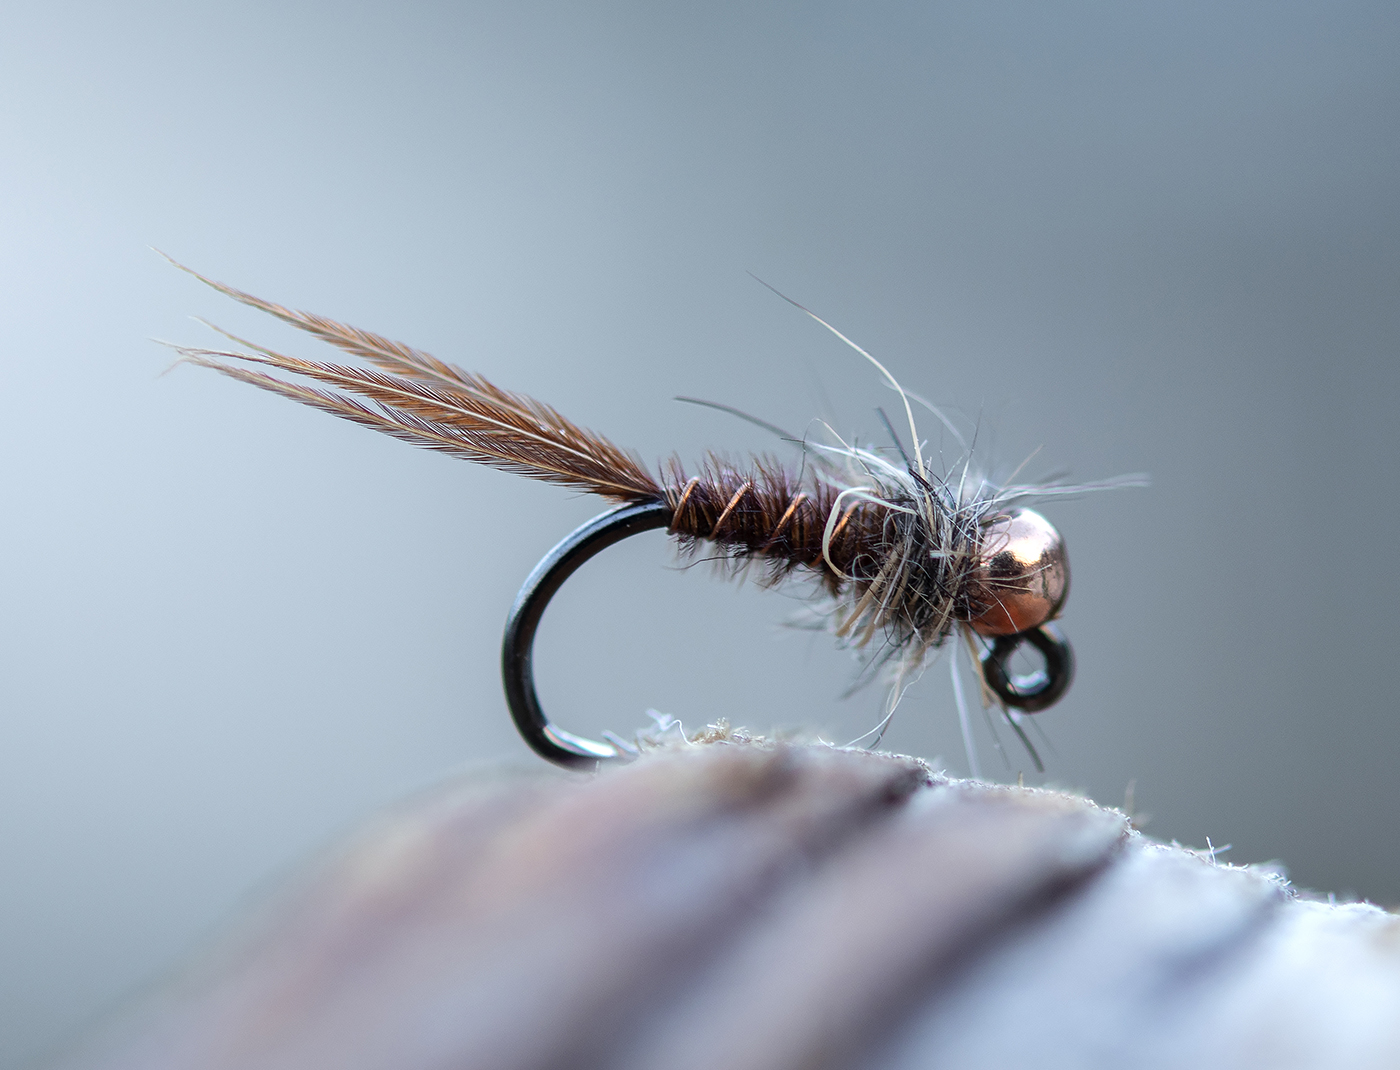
1147,237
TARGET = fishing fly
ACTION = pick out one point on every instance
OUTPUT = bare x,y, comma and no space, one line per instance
906,559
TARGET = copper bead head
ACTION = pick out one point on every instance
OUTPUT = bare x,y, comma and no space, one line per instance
1023,576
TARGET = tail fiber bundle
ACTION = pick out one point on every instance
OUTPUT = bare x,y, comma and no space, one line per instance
422,400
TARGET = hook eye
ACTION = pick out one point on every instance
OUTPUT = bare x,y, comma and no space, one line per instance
1042,688
517,648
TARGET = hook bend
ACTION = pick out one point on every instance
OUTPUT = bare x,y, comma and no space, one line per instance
517,667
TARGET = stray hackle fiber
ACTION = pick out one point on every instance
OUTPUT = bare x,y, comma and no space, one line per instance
901,550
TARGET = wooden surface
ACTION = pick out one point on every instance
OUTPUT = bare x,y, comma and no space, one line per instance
741,906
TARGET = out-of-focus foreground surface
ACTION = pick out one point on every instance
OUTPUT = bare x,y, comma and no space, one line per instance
776,908
1158,238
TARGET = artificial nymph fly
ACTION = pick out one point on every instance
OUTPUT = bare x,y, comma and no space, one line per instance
908,558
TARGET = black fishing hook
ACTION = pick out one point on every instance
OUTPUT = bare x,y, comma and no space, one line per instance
1040,690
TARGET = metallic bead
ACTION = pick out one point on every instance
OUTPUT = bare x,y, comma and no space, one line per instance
1023,575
